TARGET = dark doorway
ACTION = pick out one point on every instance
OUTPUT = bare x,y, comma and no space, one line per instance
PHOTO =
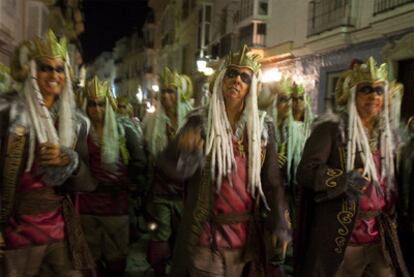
406,77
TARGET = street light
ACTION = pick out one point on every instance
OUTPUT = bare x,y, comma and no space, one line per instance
155,88
201,64
271,75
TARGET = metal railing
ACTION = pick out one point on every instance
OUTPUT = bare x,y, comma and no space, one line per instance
324,15
381,6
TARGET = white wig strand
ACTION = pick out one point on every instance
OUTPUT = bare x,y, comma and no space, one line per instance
254,131
388,147
219,135
110,137
358,142
219,138
67,106
42,122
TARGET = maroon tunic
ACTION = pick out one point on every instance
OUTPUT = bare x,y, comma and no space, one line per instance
34,229
111,197
230,199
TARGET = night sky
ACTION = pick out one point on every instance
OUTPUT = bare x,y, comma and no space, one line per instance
106,21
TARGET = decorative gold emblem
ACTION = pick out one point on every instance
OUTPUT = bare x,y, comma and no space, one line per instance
344,218
332,174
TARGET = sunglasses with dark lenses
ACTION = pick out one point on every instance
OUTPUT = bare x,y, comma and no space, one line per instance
283,99
167,90
233,73
49,69
367,89
297,98
92,104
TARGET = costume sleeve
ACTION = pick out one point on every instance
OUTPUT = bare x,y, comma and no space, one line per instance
313,171
178,164
137,158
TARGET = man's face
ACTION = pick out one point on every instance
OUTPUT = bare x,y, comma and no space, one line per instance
123,109
298,104
283,105
51,76
169,98
236,84
369,99
96,108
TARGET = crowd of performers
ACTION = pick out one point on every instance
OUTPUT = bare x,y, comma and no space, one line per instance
240,186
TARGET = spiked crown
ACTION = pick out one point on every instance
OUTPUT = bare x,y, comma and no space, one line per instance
49,46
244,59
170,78
360,73
297,88
95,88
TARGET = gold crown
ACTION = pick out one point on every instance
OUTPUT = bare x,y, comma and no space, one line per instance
95,88
49,46
284,85
244,59
170,78
298,89
360,73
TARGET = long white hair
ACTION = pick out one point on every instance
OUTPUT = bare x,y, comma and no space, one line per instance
219,137
42,121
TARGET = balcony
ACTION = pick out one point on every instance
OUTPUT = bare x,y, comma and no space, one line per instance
381,6
325,15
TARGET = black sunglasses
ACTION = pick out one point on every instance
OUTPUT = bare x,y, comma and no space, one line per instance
233,73
49,69
297,98
367,89
92,104
283,99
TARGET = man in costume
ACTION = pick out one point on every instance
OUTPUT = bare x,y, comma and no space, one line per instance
118,162
292,112
347,210
226,153
165,202
43,149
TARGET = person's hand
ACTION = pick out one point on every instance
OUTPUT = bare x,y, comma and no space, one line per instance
191,140
2,245
50,155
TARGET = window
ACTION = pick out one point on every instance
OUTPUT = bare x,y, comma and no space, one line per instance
263,7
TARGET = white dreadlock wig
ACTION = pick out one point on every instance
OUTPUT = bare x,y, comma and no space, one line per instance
219,137
358,142
43,123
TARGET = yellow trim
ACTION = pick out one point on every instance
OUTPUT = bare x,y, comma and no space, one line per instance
333,174
344,218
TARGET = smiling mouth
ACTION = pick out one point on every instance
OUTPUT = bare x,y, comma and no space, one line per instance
53,84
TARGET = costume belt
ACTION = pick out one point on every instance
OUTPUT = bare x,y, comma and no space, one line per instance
369,215
231,218
37,201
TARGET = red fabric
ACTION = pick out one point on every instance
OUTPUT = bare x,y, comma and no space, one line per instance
114,176
366,231
37,229
104,203
158,254
231,199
